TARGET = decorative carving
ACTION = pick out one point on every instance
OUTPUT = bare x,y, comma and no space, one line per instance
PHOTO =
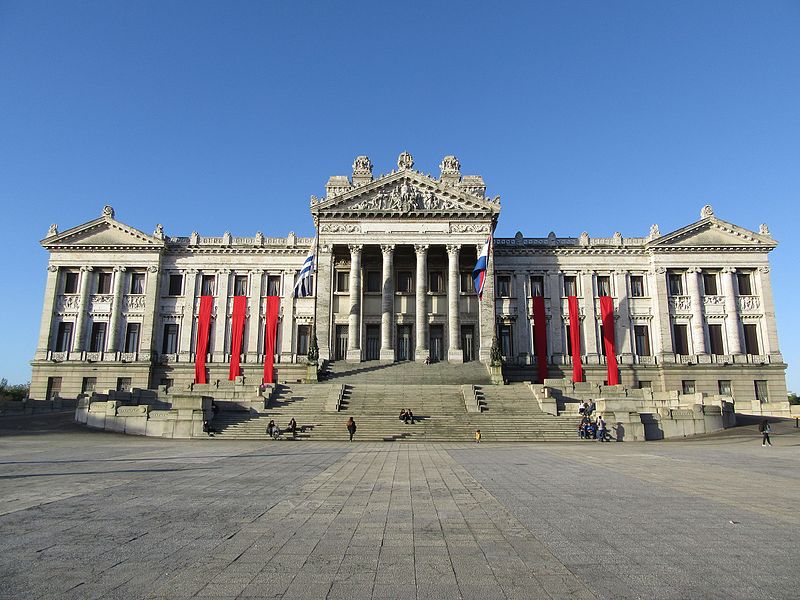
617,238
362,168
405,198
405,161
660,270
680,303
714,300
194,239
654,231
159,232
227,238
583,240
259,238
341,228
727,270
706,211
134,303
314,200
355,248
108,211
52,269
749,303
387,248
694,270
119,269
450,166
421,248
763,269
495,356
52,231
313,350
453,249
70,302
763,229
87,269
152,269
467,228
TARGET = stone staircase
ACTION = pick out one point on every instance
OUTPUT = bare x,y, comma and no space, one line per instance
374,395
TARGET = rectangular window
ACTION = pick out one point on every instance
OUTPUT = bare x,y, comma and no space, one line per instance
373,283
724,386
303,339
680,339
103,282
436,282
568,341
175,284
751,339
762,392
273,285
342,281
688,386
467,285
603,285
70,282
53,387
570,285
123,384
97,339
745,283
240,285
637,286
170,342
207,285
503,286
404,282
132,337
537,285
88,385
645,384
137,283
64,337
506,341
715,340
710,284
675,281
641,337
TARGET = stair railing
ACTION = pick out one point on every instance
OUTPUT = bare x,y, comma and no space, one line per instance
471,398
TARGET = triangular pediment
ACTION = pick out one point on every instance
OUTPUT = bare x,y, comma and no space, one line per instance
104,232
405,194
713,232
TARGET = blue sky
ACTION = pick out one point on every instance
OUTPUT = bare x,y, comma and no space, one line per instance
222,116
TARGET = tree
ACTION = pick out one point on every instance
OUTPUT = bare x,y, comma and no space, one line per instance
14,392
793,399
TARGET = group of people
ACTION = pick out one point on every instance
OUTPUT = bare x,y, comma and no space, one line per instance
274,431
591,428
407,416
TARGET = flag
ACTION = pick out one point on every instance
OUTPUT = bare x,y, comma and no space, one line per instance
304,285
479,272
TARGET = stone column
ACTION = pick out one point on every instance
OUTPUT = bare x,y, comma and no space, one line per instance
486,310
556,324
254,317
323,290
354,318
693,276
287,317
625,331
78,344
387,304
221,319
662,329
454,352
421,314
48,311
187,321
590,320
522,326
147,341
768,308
116,311
732,324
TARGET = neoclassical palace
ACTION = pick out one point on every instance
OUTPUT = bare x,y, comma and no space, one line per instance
692,309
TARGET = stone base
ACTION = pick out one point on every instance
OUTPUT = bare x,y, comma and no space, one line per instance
353,355
387,355
421,354
455,355
496,373
312,373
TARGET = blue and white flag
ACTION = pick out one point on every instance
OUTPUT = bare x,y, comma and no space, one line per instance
305,281
479,272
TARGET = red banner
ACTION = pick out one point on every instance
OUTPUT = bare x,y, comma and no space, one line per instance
201,343
237,332
273,308
607,315
575,338
540,336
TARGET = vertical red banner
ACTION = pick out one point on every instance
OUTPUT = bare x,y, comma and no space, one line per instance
540,336
575,337
607,315
273,309
237,333
201,343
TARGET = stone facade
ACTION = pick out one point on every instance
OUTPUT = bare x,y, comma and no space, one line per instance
693,308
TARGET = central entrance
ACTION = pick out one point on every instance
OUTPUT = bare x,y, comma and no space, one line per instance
437,343
404,347
468,342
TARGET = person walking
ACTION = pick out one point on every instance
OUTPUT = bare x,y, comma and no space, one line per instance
351,427
601,428
477,436
765,429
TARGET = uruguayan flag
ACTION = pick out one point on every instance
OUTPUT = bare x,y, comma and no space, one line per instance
479,272
305,281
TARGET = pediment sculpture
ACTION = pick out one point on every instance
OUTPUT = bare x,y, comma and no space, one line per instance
405,198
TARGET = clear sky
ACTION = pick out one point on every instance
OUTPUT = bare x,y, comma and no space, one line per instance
215,116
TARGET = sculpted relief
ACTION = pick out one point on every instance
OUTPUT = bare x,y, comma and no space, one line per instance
405,198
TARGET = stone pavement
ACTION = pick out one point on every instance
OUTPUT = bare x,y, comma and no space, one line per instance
97,515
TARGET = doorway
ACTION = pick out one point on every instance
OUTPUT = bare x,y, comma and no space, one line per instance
373,342
340,351
404,348
468,342
437,342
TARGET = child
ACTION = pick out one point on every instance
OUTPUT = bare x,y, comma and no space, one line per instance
477,436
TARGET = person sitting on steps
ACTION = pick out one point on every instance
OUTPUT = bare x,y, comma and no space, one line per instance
409,416
402,414
272,430
292,427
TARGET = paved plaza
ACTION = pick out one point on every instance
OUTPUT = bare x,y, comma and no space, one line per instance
88,514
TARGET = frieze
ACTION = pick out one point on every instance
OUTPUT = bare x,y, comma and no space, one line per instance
680,303
101,302
71,302
134,303
749,303
714,300
405,198
341,228
468,228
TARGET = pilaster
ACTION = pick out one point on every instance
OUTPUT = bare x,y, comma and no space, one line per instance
624,329
768,304
149,335
48,312
662,330
590,319
187,321
323,289
486,310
